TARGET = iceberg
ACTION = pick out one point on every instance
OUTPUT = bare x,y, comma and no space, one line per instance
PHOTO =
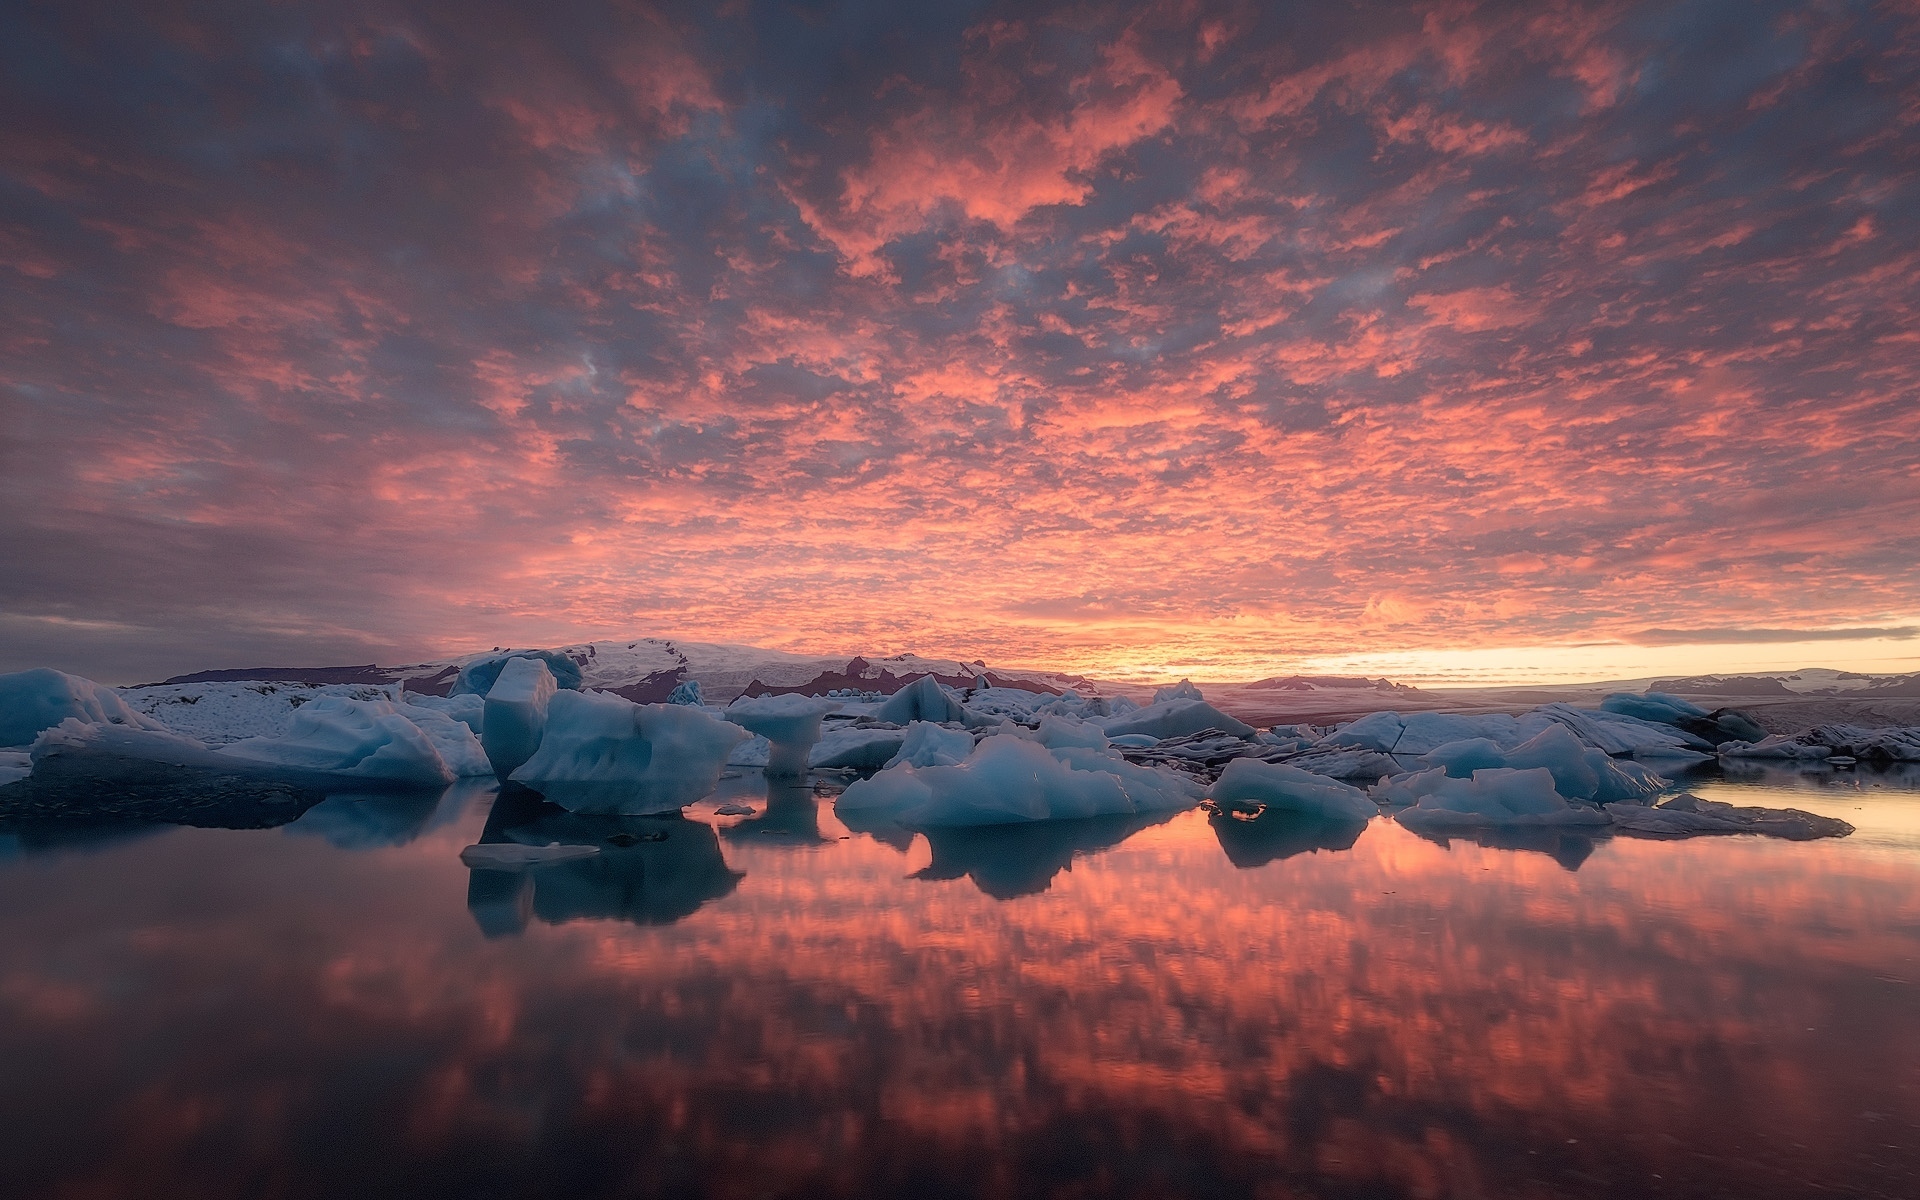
1619,734
1778,746
1251,782
470,710
861,748
929,745
687,691
1010,779
514,715
359,739
1890,743
603,754
1379,732
1661,707
1184,690
1176,718
42,698
922,700
1427,731
1056,732
1580,772
478,677
1496,796
790,723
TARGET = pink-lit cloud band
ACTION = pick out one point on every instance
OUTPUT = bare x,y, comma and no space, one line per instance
1108,337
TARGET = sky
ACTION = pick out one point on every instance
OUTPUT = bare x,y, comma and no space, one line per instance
1217,339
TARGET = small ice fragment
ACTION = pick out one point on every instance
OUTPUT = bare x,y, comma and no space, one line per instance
512,856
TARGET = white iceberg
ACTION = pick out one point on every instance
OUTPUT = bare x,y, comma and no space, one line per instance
514,716
603,754
468,710
1056,732
42,698
1012,780
926,744
1778,745
1184,690
1176,718
790,723
1249,781
358,739
1501,796
1619,734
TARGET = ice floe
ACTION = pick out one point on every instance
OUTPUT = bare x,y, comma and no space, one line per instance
512,856
1690,816
604,754
1250,782
366,739
1009,779
1496,796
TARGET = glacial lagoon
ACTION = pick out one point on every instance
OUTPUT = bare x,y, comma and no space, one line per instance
781,1004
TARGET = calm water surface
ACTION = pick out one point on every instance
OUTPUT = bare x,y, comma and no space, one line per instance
782,1006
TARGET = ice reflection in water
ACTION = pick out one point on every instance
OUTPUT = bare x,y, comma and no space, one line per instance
1192,1009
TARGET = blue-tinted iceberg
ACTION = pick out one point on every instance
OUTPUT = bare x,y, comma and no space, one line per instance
1501,796
468,710
1580,772
1184,690
515,713
478,677
1175,718
603,754
42,698
1251,782
1011,780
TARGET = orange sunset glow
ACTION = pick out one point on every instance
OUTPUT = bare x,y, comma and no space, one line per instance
1468,341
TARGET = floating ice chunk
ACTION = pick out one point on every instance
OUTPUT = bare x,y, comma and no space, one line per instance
353,739
478,677
512,856
1011,780
732,808
515,713
1184,690
790,723
861,748
1134,741
74,738
1891,743
922,700
603,754
1687,816
469,710
929,745
687,691
1175,718
1249,781
1376,731
1778,746
1500,796
1580,772
31,701
1407,789
1055,732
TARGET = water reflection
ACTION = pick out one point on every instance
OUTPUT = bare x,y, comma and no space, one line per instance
1568,849
1274,834
365,821
649,870
1006,861
204,1010
789,815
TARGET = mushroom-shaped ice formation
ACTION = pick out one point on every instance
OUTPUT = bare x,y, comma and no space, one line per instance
790,722
516,713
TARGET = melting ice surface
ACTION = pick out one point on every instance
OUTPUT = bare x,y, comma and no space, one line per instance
776,1003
